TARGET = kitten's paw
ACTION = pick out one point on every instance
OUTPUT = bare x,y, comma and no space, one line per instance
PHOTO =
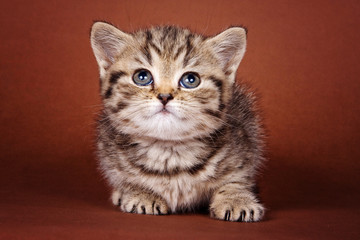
141,203
236,208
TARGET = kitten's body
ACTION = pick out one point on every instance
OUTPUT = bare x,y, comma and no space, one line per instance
165,147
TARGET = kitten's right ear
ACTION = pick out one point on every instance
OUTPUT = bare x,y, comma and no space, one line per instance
107,43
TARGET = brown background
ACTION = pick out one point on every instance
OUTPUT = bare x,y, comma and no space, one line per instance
302,58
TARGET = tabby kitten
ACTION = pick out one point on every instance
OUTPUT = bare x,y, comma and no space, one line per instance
176,131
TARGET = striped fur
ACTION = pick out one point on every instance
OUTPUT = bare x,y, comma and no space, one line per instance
204,148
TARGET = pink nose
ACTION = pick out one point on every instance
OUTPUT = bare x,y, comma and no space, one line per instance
165,98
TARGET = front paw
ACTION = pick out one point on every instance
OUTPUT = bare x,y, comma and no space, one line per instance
236,208
141,203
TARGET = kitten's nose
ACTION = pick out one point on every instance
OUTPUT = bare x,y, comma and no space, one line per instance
164,98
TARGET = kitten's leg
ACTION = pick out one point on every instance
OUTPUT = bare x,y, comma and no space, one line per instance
136,201
233,202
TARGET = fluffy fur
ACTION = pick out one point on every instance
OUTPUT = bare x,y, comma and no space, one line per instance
203,146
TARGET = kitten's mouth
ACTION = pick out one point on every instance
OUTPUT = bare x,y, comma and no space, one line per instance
165,111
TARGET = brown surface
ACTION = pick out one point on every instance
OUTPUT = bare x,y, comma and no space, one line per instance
303,58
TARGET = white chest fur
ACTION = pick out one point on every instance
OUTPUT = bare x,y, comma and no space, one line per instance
167,156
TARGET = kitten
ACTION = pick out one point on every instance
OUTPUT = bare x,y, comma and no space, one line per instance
176,131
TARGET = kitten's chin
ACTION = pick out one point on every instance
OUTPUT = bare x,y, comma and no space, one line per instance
165,125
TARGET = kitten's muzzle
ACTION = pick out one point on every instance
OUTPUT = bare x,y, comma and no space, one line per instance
165,98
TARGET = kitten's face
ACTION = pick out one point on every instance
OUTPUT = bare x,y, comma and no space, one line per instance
165,83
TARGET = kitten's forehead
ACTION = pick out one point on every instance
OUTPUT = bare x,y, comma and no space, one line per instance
169,49
166,37
169,42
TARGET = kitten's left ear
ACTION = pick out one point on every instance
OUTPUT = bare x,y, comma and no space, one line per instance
229,47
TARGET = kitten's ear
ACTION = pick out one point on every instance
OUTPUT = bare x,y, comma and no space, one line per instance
107,43
229,47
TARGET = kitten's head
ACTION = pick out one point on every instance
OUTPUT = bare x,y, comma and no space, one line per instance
166,82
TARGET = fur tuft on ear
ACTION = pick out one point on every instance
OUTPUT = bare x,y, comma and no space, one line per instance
229,47
107,43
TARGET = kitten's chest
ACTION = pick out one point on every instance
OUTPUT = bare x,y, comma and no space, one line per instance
169,157
167,168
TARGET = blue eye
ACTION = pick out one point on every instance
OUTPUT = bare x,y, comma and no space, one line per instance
190,80
142,77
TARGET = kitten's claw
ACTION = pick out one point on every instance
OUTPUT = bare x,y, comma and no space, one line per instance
143,209
242,216
227,215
